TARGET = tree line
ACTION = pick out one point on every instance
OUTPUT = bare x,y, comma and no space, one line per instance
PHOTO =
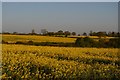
62,33
101,43
80,42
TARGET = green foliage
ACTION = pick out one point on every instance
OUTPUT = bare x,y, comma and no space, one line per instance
19,42
89,42
79,42
30,42
4,42
84,42
114,43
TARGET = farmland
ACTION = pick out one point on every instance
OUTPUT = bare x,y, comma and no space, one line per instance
59,40
35,38
21,61
44,62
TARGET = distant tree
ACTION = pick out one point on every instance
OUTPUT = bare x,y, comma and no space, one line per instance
73,33
5,32
94,34
84,34
118,34
60,32
30,42
4,42
78,34
85,42
87,39
114,34
67,33
50,33
101,34
15,33
79,42
88,42
114,42
91,33
101,42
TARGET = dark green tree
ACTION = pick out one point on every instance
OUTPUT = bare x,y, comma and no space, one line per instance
73,33
84,34
79,42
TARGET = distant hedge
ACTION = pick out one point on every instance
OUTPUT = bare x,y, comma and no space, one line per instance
103,43
80,42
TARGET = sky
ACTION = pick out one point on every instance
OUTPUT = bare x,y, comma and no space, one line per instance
0,16
119,16
59,0
72,16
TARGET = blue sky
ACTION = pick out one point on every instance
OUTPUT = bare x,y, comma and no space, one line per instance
0,17
79,17
59,0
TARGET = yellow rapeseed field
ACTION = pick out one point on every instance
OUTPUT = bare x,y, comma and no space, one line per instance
35,38
44,62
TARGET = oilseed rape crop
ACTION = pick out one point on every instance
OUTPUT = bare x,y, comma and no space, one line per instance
44,62
35,38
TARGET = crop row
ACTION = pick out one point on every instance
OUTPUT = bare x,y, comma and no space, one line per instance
31,62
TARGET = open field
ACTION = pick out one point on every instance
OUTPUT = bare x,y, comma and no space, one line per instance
44,62
94,37
35,38
59,40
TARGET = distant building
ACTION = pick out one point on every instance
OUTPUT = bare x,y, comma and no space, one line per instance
33,31
44,31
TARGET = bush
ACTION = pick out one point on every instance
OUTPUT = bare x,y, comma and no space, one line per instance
102,43
19,42
30,42
79,42
114,43
4,42
84,42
